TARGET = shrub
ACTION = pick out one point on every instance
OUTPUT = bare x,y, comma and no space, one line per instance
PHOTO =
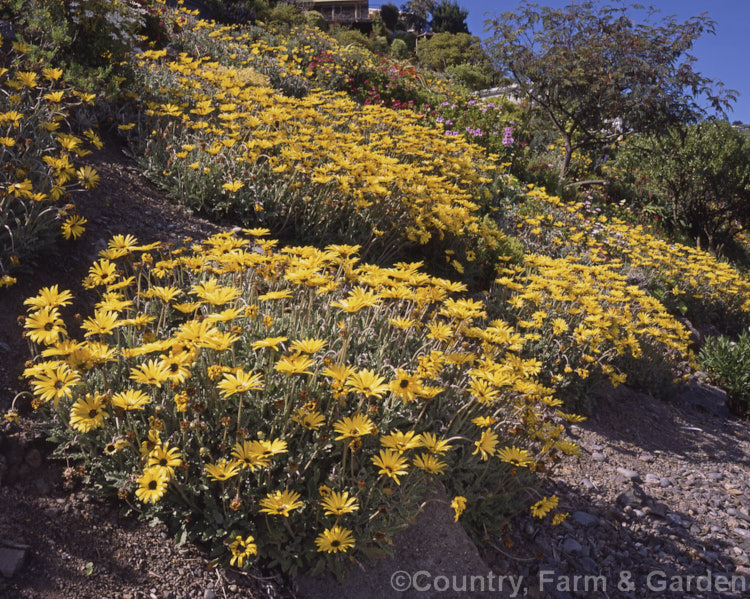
445,50
89,38
399,48
728,364
489,124
698,176
314,19
239,11
347,37
274,401
283,17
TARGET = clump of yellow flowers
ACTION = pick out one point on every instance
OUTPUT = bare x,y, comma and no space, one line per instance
320,167
40,159
293,402
686,280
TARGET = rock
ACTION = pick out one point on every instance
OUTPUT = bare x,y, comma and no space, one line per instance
629,474
633,497
209,594
657,509
665,482
652,479
414,549
646,457
585,519
704,397
12,557
572,546
695,337
715,476
598,457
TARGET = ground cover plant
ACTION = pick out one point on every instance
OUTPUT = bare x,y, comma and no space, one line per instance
319,167
41,161
688,281
290,403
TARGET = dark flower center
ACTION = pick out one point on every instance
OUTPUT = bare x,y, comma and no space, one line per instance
404,383
93,413
152,485
335,543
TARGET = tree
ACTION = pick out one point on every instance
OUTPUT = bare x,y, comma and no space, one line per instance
416,13
598,76
458,54
445,50
699,176
389,13
449,17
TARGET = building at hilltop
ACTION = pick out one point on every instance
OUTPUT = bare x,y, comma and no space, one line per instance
345,12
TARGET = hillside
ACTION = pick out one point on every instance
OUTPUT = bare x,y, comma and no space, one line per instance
317,315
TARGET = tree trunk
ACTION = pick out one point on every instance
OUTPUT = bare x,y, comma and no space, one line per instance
566,159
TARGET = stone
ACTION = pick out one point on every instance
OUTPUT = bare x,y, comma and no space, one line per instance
657,509
715,476
705,398
12,557
633,497
585,519
665,482
572,546
209,594
629,474
598,457
652,479
588,485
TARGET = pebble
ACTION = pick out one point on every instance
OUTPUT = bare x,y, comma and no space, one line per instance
652,479
598,457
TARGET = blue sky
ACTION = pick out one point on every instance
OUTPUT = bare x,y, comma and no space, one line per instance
724,57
